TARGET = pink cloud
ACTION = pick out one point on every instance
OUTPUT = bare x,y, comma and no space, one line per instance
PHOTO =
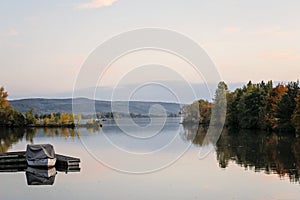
281,55
273,32
231,29
10,32
97,4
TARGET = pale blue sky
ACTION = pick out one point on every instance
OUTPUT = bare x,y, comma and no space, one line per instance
44,43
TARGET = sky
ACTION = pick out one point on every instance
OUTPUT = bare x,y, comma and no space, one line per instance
43,44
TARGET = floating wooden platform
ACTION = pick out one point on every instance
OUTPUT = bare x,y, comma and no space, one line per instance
66,160
16,161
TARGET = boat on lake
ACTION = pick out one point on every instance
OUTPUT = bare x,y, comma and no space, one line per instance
40,155
39,162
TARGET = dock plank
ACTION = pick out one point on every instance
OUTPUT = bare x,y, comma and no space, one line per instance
19,157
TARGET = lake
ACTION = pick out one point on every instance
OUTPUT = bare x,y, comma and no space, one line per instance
154,162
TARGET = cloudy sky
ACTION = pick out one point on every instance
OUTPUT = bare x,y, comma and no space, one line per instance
44,43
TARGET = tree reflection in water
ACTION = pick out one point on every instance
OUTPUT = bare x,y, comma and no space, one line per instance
254,150
10,136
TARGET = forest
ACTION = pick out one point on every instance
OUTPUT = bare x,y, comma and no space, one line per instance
254,106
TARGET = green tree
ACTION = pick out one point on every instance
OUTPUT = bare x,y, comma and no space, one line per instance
14,118
30,119
251,106
232,115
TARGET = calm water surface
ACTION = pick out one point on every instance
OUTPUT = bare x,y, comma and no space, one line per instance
245,165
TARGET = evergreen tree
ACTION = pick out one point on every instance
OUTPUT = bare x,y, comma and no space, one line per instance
286,108
220,104
233,99
296,115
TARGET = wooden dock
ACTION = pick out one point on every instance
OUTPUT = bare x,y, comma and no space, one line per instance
67,163
16,161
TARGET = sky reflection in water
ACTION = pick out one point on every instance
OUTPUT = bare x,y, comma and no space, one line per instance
247,165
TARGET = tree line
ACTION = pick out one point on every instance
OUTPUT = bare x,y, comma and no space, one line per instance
10,117
253,106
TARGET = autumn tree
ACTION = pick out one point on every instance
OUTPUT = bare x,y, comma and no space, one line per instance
72,118
254,106
204,111
79,117
46,121
9,116
52,118
64,118
3,99
4,106
272,101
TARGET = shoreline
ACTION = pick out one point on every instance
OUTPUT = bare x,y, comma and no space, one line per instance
53,126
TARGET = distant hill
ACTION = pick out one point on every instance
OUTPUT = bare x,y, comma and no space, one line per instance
43,106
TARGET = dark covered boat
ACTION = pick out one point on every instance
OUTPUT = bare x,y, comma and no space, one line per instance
40,155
